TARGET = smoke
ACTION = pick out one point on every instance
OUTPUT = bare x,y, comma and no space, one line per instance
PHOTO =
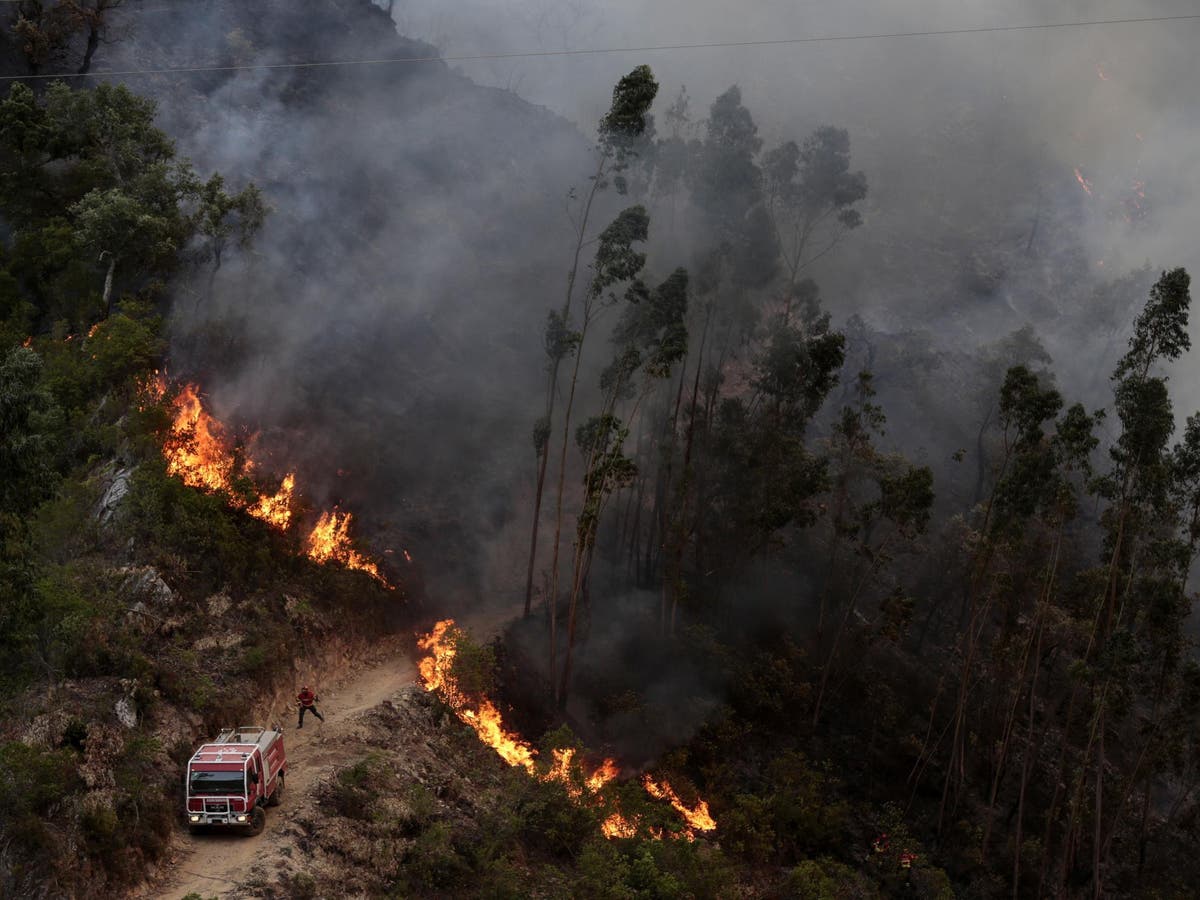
384,333
967,139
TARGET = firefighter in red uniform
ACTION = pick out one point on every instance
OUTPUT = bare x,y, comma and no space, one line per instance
307,701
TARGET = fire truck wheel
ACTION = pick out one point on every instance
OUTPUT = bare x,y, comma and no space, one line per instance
277,797
258,820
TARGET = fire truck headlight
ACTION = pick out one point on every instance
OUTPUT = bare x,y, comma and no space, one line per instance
241,818
195,818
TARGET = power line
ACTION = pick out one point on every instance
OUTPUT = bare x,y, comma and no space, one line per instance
599,51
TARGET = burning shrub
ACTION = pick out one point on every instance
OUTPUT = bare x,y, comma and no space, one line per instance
474,666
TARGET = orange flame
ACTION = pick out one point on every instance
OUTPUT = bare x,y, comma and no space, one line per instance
1083,182
696,816
617,826
607,772
277,509
198,451
27,341
437,675
330,540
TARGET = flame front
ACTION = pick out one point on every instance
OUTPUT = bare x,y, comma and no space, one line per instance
1083,182
277,509
696,816
330,540
198,450
437,674
617,826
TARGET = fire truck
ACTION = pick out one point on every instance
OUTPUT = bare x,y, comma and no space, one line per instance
229,781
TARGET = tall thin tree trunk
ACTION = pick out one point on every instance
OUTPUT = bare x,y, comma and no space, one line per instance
108,284
93,41
1026,765
558,504
669,578
537,515
551,391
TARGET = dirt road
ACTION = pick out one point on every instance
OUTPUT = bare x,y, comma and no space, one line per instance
215,865
212,865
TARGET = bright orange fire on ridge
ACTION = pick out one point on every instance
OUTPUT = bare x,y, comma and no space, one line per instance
198,450
1083,182
697,817
330,540
437,675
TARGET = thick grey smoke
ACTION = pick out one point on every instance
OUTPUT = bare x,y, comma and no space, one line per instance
968,140
386,327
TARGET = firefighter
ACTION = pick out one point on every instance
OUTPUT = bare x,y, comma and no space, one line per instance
307,701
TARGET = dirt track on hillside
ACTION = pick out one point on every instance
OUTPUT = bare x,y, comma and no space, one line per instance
216,864
226,865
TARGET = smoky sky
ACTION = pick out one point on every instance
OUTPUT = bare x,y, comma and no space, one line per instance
383,335
959,134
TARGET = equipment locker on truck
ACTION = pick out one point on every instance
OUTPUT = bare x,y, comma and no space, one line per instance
229,781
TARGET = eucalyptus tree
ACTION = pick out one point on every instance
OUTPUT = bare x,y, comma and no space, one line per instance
649,339
616,262
220,217
810,198
1142,572
619,131
882,504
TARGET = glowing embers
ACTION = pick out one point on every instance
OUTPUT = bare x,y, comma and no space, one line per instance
1083,182
437,674
199,451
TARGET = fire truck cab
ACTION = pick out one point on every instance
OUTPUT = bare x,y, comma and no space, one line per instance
229,782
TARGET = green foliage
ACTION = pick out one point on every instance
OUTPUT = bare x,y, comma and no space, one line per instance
603,872
626,121
433,862
798,367
616,261
26,411
353,791
654,324
1160,331
474,665
93,190
550,821
827,879
33,780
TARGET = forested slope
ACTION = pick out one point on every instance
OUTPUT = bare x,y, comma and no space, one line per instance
902,613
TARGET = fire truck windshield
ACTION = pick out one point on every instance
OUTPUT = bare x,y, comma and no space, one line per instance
218,783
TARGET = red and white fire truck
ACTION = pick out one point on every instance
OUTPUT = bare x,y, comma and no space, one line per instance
229,781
